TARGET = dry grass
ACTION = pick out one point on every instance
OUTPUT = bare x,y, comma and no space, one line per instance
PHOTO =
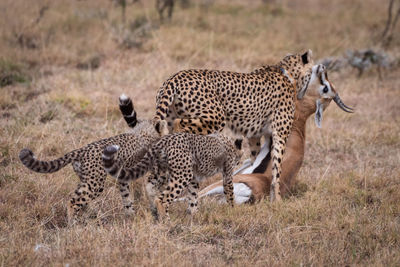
346,210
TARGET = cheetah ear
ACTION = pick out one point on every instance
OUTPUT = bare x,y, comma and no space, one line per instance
238,143
318,113
306,57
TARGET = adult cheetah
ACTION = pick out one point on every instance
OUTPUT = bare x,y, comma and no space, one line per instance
256,104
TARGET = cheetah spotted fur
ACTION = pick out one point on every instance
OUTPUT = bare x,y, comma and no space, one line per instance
256,104
87,161
187,159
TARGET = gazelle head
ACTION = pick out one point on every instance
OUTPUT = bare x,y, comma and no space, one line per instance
324,93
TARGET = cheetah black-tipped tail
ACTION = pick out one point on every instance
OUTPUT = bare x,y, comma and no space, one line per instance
27,158
127,110
109,161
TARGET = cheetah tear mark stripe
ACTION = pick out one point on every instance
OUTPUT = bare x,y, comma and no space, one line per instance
27,158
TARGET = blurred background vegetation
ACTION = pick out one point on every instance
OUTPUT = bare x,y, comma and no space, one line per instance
83,34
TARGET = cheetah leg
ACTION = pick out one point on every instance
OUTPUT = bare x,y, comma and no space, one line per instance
162,210
198,126
77,204
127,200
278,149
174,188
193,188
90,187
227,184
255,146
153,181
162,127
171,117
151,193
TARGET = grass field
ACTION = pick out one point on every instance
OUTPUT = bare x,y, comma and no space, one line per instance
61,76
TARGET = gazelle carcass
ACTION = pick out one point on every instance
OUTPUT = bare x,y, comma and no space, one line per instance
252,183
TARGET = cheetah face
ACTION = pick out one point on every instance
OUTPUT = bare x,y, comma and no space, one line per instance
298,64
300,68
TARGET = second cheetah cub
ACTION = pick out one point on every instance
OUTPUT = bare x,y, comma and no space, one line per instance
187,159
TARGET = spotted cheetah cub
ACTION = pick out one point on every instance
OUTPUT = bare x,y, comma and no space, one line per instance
87,161
187,158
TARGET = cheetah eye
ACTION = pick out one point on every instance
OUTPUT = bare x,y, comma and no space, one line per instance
325,90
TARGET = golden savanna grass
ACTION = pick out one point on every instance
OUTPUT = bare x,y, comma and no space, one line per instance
345,209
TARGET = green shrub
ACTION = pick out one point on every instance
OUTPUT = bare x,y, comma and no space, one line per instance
11,73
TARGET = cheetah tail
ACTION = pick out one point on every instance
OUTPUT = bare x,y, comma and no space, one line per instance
113,167
28,158
164,100
127,110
